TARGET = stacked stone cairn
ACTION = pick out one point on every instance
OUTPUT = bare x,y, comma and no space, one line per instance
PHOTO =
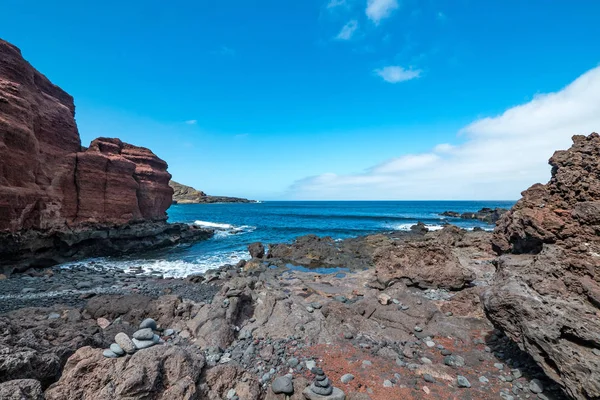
142,339
321,388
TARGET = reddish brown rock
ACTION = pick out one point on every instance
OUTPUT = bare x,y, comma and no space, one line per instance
546,295
47,180
54,192
157,373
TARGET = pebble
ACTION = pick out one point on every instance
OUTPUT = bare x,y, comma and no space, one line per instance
430,343
54,316
169,332
316,305
143,344
462,382
148,323
125,343
109,354
144,334
310,364
366,363
426,360
230,394
347,378
103,323
499,366
426,390
428,378
283,384
483,379
387,383
418,329
348,335
404,307
115,348
384,299
536,386
293,362
446,352
449,314
454,361
310,309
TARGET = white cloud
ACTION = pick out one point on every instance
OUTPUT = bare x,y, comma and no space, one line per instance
380,9
348,30
395,74
500,156
191,122
336,3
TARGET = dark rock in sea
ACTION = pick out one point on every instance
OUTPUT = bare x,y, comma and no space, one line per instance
256,250
487,215
546,292
58,198
183,194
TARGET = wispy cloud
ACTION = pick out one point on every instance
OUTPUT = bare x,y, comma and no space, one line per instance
380,9
348,30
500,156
395,74
191,122
336,3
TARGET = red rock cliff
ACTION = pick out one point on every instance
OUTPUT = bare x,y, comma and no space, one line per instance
47,180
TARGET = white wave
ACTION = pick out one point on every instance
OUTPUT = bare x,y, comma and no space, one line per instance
224,230
215,225
406,227
167,268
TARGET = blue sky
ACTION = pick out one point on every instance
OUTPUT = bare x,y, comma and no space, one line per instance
331,99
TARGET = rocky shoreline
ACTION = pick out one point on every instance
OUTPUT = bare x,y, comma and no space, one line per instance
239,329
183,194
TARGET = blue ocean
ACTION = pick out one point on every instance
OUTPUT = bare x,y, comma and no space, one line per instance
238,225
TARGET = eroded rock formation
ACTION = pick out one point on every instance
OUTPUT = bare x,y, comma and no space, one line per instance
52,188
183,194
546,293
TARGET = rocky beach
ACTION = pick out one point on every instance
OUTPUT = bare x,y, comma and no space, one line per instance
416,314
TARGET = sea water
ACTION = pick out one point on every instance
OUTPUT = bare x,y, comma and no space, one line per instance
238,224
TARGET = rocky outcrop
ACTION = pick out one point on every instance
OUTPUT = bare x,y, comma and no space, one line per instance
546,293
55,191
157,373
21,389
183,194
486,214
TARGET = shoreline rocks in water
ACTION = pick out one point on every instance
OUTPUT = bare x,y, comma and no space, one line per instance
60,200
487,215
183,194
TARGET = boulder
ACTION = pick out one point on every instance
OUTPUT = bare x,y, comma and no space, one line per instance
54,193
21,389
546,292
157,373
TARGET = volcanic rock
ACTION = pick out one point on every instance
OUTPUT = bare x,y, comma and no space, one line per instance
56,196
21,389
161,373
183,194
546,293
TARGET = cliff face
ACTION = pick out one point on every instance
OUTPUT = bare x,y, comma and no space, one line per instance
50,184
47,180
546,293
183,194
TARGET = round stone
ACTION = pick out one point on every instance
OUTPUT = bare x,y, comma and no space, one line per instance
148,323
109,354
322,391
387,383
317,371
293,362
346,378
418,329
125,343
283,384
143,344
144,334
462,382
323,383
536,386
115,348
